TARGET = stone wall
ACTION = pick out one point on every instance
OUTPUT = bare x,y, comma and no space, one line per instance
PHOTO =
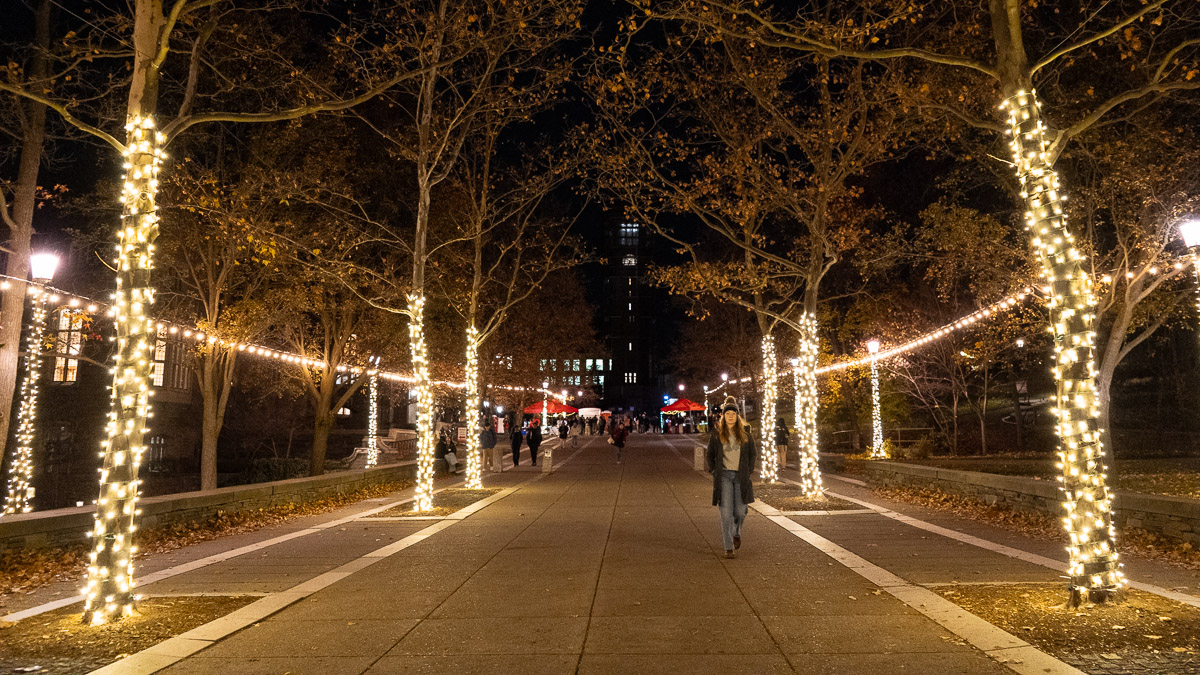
1176,518
70,525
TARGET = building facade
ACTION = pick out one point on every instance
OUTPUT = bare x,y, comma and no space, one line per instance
627,322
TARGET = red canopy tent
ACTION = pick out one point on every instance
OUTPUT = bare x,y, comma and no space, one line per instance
553,408
682,405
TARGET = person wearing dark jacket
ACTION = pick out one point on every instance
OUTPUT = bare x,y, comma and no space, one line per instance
781,442
534,440
487,440
515,438
731,459
619,435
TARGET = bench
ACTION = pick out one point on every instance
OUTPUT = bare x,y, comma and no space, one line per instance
395,447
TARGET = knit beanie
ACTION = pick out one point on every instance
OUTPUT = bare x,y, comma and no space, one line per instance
730,404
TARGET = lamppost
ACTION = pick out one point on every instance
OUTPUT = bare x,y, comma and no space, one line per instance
1190,231
545,400
877,451
20,470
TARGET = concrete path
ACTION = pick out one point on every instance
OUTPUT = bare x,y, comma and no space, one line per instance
598,567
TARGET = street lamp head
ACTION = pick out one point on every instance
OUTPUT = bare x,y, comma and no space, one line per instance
1020,342
724,377
873,346
499,409
579,393
680,387
545,384
795,360
42,266
1190,231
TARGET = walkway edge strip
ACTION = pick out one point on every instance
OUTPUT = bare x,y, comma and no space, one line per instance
182,646
178,648
215,558
1006,648
1002,646
1009,551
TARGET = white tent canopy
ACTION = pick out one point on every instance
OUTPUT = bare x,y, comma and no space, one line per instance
589,412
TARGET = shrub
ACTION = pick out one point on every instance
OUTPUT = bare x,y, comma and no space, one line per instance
266,469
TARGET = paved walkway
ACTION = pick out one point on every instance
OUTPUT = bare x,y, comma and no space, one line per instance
602,567
598,567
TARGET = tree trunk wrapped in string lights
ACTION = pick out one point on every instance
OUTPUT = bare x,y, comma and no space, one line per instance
769,470
806,406
20,468
1093,569
878,450
423,501
109,592
474,466
373,422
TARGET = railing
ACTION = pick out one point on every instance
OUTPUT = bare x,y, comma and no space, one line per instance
849,441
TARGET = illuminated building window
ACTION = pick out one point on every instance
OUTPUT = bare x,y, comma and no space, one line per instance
590,363
629,260
600,380
543,366
70,343
169,369
629,234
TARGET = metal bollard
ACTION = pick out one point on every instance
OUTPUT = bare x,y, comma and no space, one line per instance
497,459
698,458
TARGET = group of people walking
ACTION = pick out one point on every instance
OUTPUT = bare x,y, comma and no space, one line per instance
731,459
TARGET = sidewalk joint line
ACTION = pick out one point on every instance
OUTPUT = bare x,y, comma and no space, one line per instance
180,647
1003,549
215,558
993,641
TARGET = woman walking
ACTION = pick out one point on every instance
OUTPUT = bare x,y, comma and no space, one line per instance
731,459
515,438
617,440
534,440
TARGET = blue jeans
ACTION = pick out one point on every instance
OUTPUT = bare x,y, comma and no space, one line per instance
733,507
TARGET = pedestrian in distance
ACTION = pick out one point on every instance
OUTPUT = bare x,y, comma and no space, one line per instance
731,459
534,440
517,435
445,450
781,442
487,439
619,435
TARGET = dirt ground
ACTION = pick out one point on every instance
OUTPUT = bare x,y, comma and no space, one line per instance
1141,633
788,497
59,644
444,503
